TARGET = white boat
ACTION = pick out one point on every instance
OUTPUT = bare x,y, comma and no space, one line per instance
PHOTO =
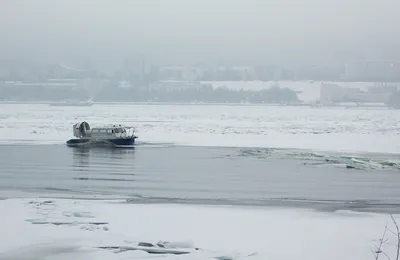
114,136
73,103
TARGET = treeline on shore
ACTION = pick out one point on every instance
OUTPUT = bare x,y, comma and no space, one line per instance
115,94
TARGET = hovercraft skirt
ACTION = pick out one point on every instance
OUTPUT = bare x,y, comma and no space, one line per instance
117,142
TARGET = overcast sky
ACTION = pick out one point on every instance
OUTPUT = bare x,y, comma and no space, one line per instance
187,31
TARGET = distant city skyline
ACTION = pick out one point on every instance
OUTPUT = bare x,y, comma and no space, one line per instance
142,71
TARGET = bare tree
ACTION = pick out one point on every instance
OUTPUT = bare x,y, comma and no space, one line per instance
378,249
397,233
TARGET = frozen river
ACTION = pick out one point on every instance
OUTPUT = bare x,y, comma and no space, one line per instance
239,181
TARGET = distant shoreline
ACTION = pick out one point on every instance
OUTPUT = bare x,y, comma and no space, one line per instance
338,105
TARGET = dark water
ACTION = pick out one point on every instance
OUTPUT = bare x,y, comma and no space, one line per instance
164,174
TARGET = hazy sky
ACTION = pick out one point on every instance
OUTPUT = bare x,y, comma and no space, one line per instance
184,31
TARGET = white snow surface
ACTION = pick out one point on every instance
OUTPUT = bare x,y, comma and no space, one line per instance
324,129
263,233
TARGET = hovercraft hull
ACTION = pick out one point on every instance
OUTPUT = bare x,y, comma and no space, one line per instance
116,142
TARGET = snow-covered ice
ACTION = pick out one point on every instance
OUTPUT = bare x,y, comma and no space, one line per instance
325,129
266,233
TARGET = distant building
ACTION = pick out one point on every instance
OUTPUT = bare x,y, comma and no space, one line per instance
330,93
172,85
372,71
180,73
333,93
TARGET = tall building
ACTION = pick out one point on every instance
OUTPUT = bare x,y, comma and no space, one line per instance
372,71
